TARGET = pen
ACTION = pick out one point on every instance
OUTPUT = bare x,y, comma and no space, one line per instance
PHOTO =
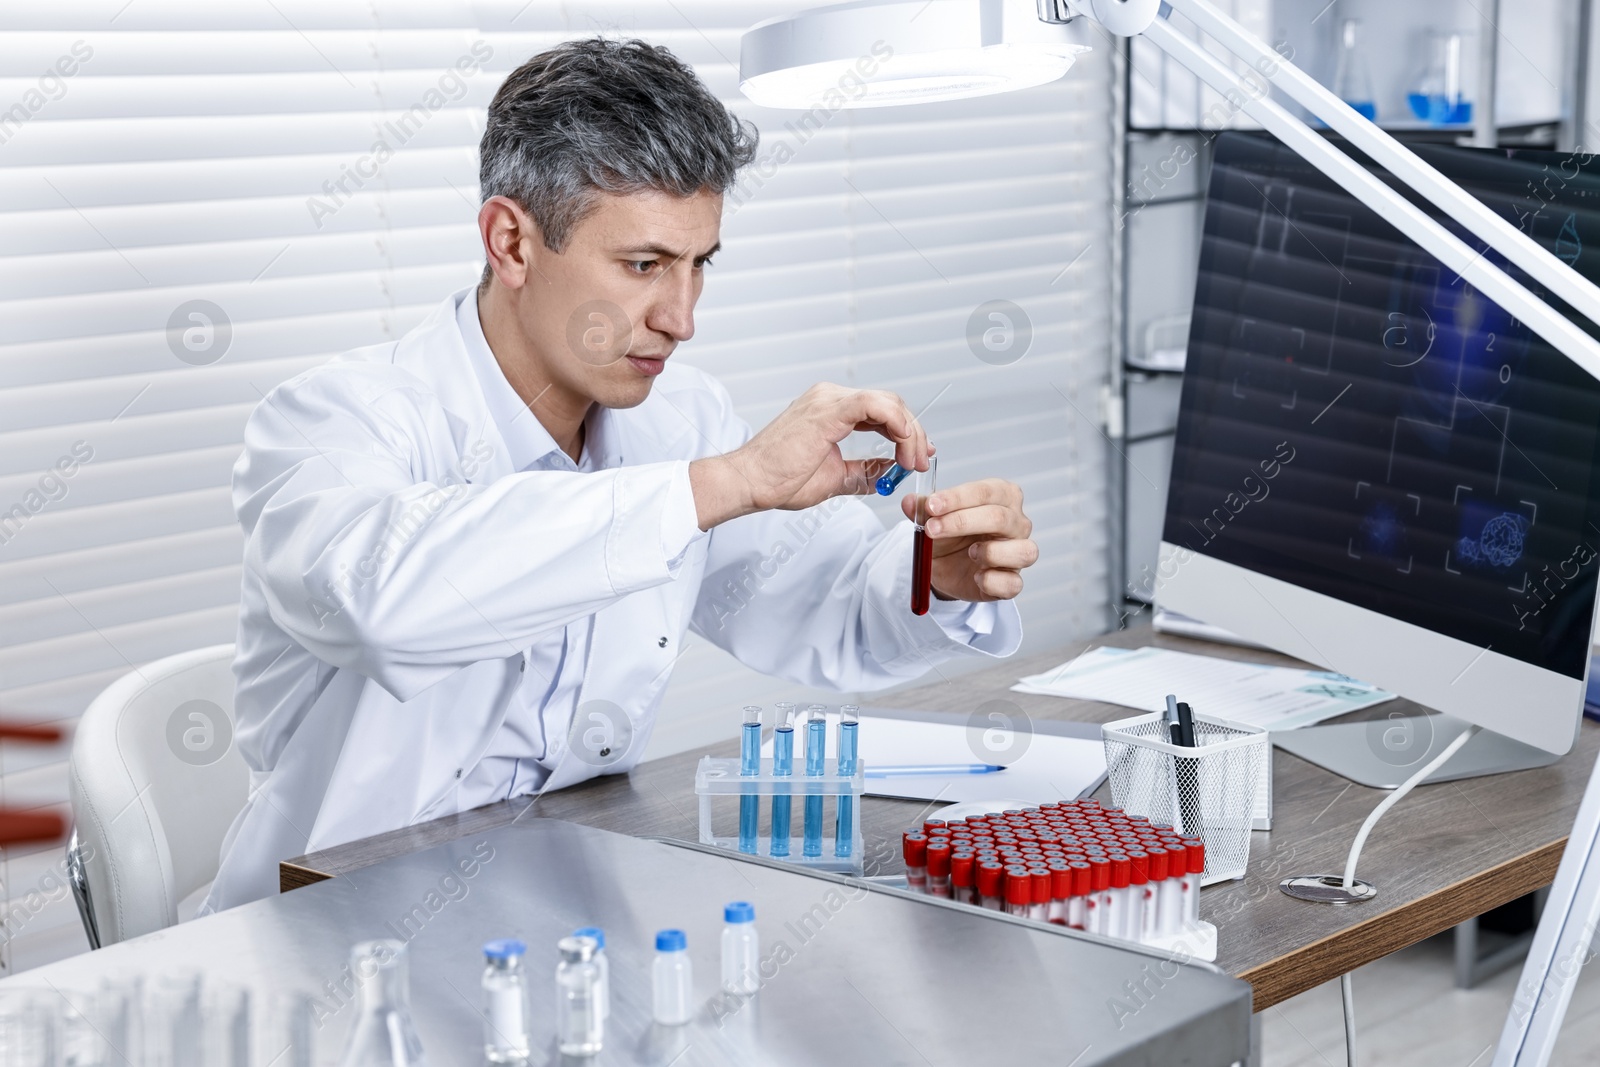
1186,724
906,770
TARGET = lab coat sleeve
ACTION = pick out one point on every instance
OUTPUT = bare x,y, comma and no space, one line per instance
822,597
375,563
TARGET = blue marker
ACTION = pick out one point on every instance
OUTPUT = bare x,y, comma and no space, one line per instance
782,767
845,833
749,767
890,480
816,752
916,770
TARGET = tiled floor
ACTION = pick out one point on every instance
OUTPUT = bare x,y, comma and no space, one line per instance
1409,1014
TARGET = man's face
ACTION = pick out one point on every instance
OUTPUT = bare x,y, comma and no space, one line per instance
605,313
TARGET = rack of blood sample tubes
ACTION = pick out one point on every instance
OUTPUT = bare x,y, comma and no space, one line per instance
1073,864
829,841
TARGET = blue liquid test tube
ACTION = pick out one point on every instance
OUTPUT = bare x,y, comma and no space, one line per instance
890,479
782,767
816,753
845,832
749,767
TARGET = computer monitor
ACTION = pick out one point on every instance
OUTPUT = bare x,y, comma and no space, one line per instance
1376,469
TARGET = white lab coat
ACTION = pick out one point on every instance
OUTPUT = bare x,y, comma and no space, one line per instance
397,569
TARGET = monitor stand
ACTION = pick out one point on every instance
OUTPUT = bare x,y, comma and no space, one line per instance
1382,753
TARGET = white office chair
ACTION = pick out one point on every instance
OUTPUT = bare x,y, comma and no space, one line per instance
155,781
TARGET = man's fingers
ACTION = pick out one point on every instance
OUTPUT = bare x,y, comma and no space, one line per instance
887,414
976,494
987,520
860,476
999,584
1010,554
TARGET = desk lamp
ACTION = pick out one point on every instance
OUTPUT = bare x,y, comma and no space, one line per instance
874,53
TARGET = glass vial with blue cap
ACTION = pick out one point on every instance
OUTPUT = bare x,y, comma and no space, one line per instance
579,1028
671,980
741,949
505,1002
600,961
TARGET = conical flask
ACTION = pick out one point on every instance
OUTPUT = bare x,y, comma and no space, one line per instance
383,1035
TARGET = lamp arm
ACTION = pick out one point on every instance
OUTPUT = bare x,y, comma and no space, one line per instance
1473,266
1516,246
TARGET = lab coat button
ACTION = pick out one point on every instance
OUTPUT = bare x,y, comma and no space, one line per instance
458,772
662,643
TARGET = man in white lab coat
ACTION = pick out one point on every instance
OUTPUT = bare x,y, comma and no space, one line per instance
472,555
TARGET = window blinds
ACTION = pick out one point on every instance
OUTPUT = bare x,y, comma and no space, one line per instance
200,200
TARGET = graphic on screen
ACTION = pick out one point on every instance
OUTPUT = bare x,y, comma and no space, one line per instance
1360,421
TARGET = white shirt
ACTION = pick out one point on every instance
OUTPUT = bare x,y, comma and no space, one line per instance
402,572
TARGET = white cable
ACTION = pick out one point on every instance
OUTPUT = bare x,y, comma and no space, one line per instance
1347,992
1394,798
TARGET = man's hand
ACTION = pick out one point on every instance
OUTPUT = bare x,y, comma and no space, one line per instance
795,462
980,539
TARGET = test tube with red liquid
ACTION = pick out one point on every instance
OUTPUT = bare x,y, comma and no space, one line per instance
921,544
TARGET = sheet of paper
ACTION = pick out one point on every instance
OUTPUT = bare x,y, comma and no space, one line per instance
1273,698
1048,768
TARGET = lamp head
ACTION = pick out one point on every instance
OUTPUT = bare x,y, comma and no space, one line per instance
874,53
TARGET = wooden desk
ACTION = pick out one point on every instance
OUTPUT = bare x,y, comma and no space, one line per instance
1446,853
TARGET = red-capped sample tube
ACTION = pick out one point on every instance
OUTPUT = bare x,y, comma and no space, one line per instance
921,544
915,846
991,879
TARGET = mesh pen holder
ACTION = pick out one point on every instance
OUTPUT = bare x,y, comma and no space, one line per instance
721,778
1208,791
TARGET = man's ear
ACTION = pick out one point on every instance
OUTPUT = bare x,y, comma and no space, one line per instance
510,236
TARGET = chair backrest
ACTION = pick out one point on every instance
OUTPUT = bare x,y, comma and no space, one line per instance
155,780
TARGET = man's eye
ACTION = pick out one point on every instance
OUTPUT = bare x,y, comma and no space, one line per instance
703,261
641,266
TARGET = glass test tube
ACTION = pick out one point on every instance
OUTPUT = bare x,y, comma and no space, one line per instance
782,767
921,546
749,767
845,831
816,752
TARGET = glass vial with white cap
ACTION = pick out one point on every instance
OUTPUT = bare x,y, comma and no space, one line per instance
601,962
579,1028
741,949
505,1002
671,979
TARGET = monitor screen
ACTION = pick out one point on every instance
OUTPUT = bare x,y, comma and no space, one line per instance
1359,421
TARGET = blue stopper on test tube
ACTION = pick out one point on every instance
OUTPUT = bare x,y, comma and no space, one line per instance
845,832
890,480
749,767
816,753
782,767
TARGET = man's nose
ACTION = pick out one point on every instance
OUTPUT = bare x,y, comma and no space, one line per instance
672,310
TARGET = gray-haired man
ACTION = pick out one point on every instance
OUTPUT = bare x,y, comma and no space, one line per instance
472,555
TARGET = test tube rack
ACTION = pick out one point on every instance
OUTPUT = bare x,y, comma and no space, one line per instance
715,778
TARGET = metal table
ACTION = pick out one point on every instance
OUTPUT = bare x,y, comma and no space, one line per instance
851,974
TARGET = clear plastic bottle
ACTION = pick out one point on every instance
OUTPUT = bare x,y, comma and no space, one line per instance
579,1029
601,962
383,1034
671,980
505,1002
741,949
